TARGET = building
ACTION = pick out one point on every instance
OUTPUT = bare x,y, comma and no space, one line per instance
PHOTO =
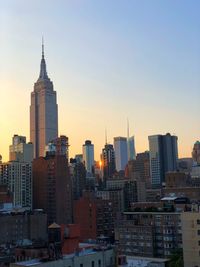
94,257
149,234
95,217
131,148
191,237
141,167
19,225
163,157
108,161
196,153
58,146
78,177
18,177
52,188
43,112
20,150
121,153
88,158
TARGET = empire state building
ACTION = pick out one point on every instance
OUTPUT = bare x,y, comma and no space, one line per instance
43,111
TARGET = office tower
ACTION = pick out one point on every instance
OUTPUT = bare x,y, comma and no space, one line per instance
52,188
163,157
18,177
131,148
121,153
20,150
88,157
43,111
130,145
108,161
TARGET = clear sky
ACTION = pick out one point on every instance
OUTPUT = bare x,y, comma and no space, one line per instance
108,60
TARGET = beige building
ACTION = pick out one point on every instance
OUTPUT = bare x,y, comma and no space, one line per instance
43,112
191,238
20,150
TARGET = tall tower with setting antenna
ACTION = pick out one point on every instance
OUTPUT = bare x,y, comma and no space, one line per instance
43,111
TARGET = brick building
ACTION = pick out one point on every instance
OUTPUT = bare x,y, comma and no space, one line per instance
52,188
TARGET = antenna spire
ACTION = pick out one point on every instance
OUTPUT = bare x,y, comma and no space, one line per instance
127,128
106,136
42,47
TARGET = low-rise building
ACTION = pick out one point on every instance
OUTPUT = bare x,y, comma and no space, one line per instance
149,234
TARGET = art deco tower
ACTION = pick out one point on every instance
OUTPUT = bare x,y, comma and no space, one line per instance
43,111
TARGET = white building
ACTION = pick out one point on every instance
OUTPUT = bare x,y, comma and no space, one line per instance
88,157
121,153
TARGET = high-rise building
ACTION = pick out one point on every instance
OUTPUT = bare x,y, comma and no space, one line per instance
131,148
163,157
108,161
43,111
88,157
121,153
17,173
20,150
18,177
52,188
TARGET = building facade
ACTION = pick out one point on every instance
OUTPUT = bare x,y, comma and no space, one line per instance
149,234
43,112
18,177
52,188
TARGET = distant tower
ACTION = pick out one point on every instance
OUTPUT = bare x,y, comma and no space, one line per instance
121,155
108,161
88,157
43,111
130,145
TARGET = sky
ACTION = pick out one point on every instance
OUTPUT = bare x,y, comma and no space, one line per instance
109,61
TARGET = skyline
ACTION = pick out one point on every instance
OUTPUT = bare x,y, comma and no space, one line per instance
93,67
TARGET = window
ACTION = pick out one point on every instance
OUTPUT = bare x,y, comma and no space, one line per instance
99,263
92,263
81,265
198,232
198,221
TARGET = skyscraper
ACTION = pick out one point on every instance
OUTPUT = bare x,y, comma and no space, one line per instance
108,161
130,145
121,153
43,111
131,148
88,157
163,157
